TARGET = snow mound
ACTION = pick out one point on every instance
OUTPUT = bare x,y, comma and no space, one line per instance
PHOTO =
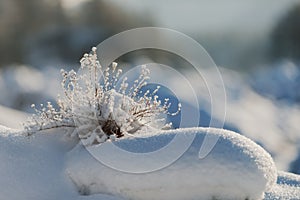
33,167
236,168
49,165
30,168
4,131
12,118
287,187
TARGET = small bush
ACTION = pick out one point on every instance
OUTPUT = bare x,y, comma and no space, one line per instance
97,109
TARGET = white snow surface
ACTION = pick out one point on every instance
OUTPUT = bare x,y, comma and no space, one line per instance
50,165
273,124
236,168
11,117
287,187
34,168
38,167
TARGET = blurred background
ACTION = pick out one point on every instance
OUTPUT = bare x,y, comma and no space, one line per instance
255,43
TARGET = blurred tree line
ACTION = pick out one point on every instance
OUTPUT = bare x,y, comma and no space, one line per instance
44,32
36,31
285,37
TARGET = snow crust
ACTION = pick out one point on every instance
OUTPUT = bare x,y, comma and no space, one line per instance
51,166
236,168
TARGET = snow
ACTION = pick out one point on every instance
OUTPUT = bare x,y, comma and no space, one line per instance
33,168
11,117
236,168
49,165
286,178
20,86
271,123
281,82
288,187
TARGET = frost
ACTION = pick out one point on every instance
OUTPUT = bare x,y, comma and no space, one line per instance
98,109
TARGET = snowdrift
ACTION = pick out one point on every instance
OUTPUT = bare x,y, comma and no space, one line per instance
49,165
33,167
236,168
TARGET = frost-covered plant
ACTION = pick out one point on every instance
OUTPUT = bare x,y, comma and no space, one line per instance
98,109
